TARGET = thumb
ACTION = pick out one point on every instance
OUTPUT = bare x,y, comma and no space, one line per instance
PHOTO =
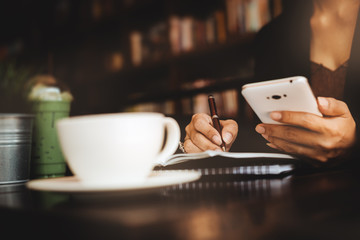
229,130
332,107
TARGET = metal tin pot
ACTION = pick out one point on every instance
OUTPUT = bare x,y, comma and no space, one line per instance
15,147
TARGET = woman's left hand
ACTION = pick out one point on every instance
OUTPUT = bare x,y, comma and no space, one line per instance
319,138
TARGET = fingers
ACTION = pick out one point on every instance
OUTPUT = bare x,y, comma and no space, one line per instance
319,138
200,135
203,143
298,149
229,132
329,107
332,107
190,147
202,123
290,134
300,119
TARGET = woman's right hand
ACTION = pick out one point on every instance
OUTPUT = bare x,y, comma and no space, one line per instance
202,136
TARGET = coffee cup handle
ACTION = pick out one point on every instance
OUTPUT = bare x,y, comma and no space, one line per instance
172,139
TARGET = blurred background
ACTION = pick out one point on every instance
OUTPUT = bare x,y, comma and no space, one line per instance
134,55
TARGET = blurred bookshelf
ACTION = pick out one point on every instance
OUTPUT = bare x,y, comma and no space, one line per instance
143,55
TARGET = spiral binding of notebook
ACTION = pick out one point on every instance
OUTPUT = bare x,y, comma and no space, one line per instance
244,170
232,164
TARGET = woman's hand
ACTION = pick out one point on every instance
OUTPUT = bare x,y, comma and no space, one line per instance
202,136
319,138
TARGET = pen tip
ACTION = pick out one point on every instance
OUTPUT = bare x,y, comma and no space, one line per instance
223,148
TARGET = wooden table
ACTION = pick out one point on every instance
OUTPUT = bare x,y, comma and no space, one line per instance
306,205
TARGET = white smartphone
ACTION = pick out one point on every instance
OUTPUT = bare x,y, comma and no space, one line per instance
286,94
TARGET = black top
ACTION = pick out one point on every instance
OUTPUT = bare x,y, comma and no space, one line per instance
282,49
326,82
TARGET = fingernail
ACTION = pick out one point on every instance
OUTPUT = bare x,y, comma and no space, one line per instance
323,102
218,150
275,115
227,137
216,139
260,129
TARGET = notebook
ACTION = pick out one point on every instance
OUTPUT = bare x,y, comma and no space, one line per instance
231,163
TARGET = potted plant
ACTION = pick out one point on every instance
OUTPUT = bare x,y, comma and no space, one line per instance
13,79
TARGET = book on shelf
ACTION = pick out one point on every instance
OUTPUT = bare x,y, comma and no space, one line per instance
136,47
230,102
210,32
256,15
167,107
156,41
220,26
231,163
247,15
187,33
174,34
232,16
219,103
200,33
150,45
226,101
200,103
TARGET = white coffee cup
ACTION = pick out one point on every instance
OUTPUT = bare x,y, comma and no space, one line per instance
119,148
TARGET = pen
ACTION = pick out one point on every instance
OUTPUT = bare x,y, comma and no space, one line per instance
215,119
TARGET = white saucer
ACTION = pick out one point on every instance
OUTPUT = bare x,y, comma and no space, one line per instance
157,179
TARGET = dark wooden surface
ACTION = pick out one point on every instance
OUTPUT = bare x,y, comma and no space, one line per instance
315,204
